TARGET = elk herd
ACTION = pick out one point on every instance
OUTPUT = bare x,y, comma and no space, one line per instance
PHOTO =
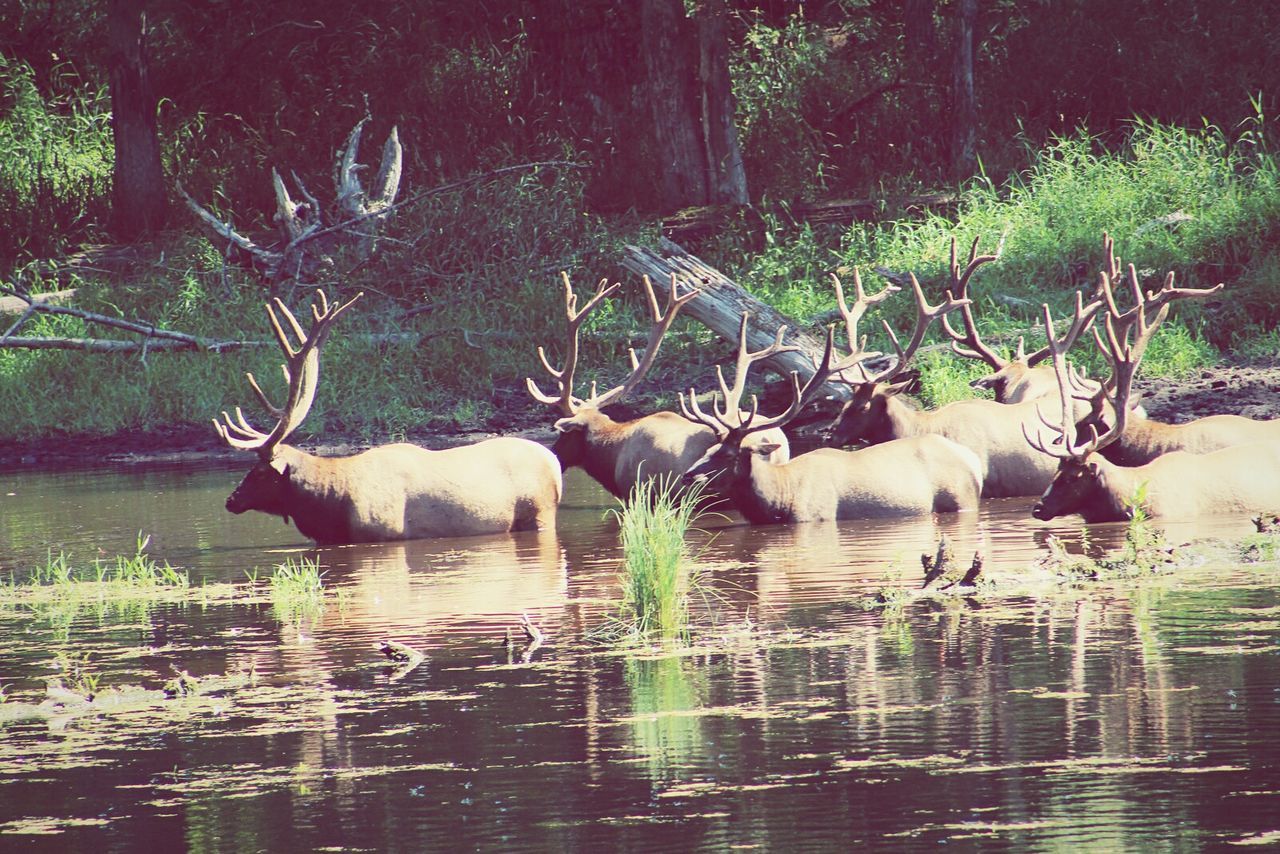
1083,446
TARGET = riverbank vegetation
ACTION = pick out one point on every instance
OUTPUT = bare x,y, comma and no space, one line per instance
464,283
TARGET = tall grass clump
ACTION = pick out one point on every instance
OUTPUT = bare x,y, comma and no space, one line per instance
658,572
56,156
297,589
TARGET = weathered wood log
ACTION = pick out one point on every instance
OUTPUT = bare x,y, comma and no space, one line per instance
699,222
18,305
722,303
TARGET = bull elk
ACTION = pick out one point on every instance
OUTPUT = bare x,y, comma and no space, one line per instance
391,492
618,454
1143,440
1023,377
876,413
1242,478
908,477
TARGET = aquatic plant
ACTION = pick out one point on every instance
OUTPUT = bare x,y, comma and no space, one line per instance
658,572
297,588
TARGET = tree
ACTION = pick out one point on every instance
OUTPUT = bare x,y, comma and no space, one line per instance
964,120
691,104
138,197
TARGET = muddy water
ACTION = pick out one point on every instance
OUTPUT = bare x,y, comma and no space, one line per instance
1134,716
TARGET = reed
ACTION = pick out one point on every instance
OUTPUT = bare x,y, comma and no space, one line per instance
658,572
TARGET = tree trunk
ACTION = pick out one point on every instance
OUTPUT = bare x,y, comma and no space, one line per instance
138,196
964,158
722,303
726,175
691,105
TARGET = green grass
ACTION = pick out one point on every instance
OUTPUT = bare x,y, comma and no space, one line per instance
484,262
121,577
658,572
297,589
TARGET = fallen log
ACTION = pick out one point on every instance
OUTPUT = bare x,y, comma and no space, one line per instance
699,222
722,303
19,305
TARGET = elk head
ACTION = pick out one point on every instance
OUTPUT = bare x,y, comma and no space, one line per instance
266,486
729,454
579,414
864,416
1080,484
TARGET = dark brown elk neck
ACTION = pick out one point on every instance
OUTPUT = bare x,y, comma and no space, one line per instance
318,496
760,490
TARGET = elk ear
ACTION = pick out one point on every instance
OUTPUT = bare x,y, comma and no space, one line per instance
568,425
1095,471
897,388
280,466
766,449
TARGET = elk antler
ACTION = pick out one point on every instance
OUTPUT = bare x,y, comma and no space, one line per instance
301,373
661,318
857,344
727,410
801,395
925,315
970,344
565,401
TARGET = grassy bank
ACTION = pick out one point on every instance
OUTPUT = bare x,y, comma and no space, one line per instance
469,283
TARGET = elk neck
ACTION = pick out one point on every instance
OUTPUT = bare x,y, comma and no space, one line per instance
1108,500
761,490
594,444
317,495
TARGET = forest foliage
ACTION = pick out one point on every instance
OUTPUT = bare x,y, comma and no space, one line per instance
1130,118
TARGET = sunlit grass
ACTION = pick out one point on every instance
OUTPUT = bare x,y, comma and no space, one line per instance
297,589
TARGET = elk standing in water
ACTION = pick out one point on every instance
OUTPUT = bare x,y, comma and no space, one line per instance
1143,440
1239,479
907,477
991,430
617,454
392,492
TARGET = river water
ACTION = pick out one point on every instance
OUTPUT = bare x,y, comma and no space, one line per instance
1141,715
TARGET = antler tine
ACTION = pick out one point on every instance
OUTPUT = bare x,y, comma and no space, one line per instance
1081,321
691,410
801,395
852,316
565,400
742,367
661,322
1067,415
969,345
925,315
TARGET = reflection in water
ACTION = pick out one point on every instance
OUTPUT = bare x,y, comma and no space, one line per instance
664,722
1138,716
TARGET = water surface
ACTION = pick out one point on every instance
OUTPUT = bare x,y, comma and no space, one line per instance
1138,715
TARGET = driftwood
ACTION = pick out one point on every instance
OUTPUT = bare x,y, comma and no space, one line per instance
20,305
154,338
309,231
699,222
722,303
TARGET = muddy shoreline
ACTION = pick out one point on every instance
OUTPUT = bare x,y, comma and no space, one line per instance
1250,390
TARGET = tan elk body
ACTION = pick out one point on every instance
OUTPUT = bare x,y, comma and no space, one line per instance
1239,479
909,477
618,454
993,432
1243,478
392,492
